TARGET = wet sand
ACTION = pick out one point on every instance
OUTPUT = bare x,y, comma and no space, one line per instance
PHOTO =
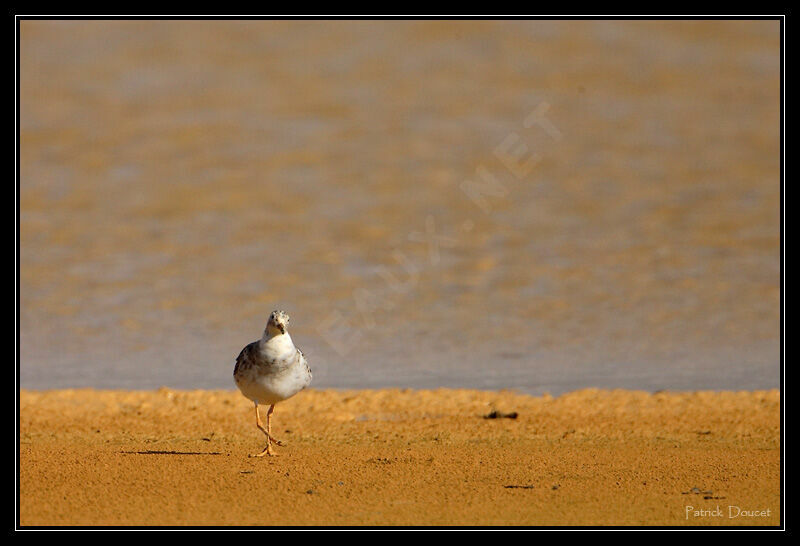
399,457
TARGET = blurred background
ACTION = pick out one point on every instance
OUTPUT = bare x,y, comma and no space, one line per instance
180,180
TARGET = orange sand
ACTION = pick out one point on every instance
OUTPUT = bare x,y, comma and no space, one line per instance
392,457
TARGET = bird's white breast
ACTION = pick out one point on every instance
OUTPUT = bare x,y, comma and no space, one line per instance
276,372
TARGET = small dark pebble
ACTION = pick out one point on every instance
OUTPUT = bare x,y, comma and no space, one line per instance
340,483
519,486
696,491
310,492
707,497
500,415
555,487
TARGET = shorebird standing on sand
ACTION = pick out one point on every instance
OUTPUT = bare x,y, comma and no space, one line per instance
270,370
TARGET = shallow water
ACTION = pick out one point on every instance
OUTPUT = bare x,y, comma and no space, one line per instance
179,180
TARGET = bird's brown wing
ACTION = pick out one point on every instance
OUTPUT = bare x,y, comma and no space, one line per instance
245,358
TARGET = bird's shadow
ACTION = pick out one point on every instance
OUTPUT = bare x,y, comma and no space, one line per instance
159,452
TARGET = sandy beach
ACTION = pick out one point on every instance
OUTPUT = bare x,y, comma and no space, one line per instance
401,457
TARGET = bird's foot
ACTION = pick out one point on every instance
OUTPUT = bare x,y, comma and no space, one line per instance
267,451
276,442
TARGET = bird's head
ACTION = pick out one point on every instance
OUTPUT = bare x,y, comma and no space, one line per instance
277,323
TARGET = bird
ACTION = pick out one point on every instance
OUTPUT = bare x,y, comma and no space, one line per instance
271,370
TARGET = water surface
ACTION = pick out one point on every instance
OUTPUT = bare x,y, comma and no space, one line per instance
179,180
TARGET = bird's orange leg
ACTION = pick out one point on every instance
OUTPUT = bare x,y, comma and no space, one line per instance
267,450
269,426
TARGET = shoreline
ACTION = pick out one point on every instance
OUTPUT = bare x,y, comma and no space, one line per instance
401,457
